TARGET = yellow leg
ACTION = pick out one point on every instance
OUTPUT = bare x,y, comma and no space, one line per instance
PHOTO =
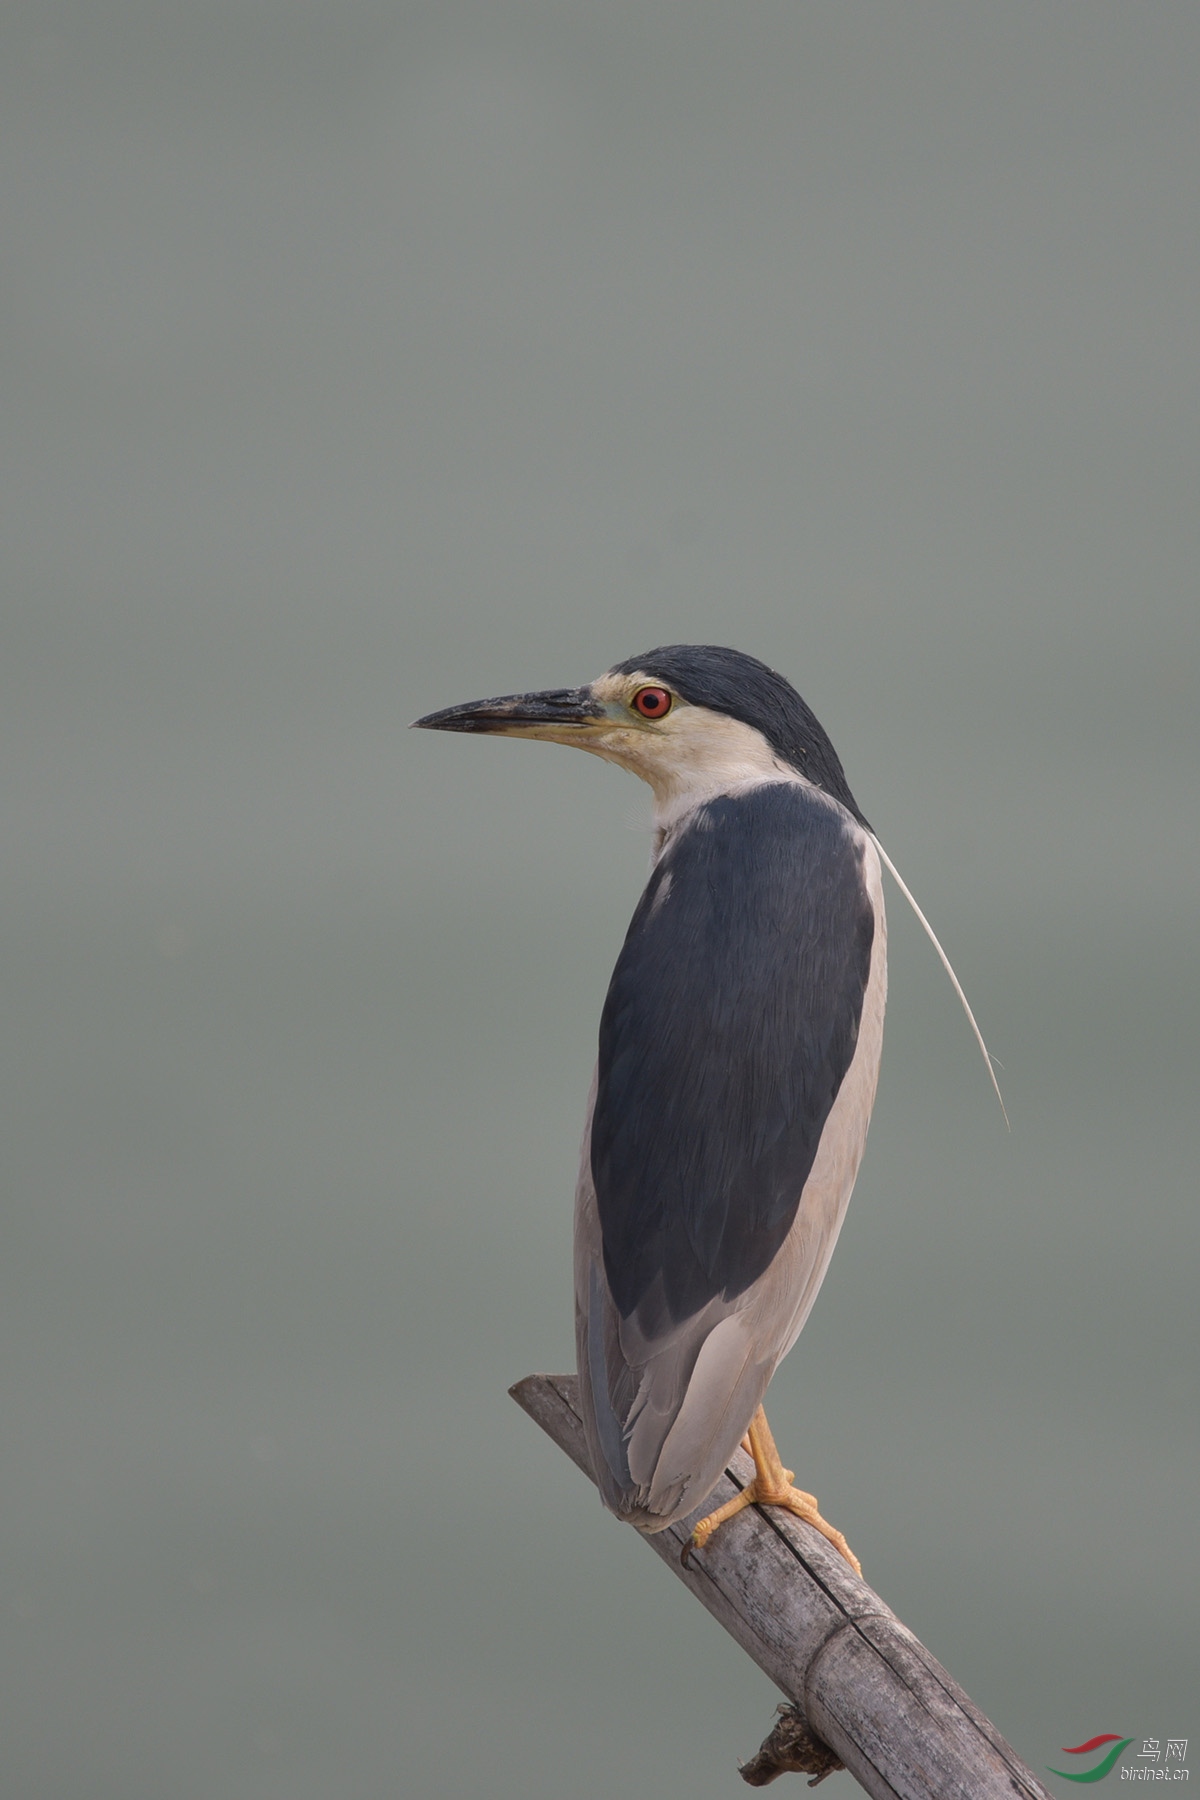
771,1485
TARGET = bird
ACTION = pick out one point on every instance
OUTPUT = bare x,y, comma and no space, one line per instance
738,1058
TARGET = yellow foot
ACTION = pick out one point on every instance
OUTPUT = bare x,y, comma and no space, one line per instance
771,1485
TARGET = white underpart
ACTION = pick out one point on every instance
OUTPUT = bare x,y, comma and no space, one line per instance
946,964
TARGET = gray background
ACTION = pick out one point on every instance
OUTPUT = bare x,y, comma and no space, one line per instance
360,359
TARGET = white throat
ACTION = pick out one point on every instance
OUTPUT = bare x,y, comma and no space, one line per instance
700,755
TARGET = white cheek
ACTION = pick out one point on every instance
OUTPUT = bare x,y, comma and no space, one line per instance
687,758
704,754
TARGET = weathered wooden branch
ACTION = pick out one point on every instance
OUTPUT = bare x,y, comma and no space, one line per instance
860,1683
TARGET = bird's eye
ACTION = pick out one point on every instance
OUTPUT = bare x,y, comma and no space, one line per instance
652,702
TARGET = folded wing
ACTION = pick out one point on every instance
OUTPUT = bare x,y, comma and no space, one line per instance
732,1020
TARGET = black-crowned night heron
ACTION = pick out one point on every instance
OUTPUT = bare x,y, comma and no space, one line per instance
739,1051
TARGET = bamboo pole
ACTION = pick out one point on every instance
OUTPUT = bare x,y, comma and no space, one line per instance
862,1691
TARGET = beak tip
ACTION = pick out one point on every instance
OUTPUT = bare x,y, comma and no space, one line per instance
438,721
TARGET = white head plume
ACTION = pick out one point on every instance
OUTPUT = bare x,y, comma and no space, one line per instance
946,964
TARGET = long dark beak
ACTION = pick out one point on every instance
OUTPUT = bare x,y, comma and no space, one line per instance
558,714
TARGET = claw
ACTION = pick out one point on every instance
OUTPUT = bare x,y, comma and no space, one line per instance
772,1485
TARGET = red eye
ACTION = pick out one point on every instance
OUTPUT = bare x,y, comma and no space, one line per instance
652,702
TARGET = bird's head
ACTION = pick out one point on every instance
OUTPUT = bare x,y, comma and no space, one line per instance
692,720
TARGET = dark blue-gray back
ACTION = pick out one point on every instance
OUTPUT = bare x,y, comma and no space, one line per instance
731,1019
